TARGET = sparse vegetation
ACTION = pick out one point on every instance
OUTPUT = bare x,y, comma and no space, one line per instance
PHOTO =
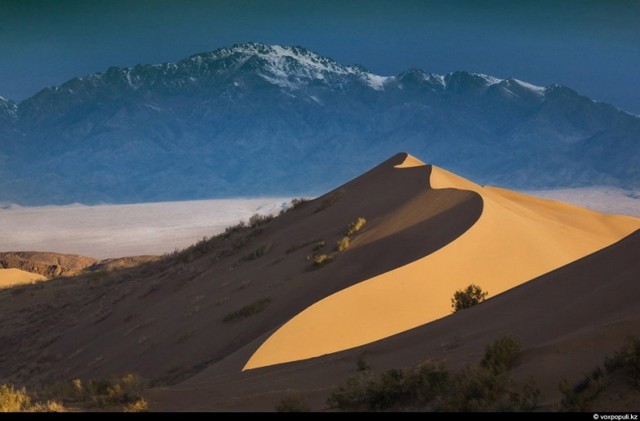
139,405
293,404
626,361
296,203
329,200
362,364
624,366
293,205
17,400
248,310
12,400
258,220
479,389
225,244
319,260
468,297
123,391
432,387
580,397
501,355
343,244
259,252
355,226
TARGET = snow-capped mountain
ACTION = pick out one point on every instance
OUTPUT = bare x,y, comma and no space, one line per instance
8,109
268,119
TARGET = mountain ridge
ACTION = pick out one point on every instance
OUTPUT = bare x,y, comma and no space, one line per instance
172,131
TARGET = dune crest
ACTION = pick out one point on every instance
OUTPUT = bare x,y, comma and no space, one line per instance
410,161
516,239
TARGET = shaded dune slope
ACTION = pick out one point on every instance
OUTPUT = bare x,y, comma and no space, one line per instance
567,321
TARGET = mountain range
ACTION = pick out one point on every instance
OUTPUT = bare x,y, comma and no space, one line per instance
259,119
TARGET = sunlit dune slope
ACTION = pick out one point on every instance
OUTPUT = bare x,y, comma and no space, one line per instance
12,277
516,239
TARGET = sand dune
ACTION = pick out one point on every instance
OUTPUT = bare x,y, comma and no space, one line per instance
168,320
567,321
13,277
516,239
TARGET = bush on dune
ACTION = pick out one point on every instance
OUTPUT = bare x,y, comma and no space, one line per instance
468,297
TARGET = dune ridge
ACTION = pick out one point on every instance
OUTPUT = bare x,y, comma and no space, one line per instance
516,239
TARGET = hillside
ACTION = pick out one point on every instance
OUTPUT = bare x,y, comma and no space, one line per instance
241,320
175,131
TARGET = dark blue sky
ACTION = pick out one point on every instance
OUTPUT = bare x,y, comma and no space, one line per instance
591,46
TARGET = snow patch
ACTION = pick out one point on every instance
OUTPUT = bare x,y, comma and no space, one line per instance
375,81
536,89
489,79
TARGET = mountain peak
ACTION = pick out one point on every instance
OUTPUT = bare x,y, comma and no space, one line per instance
8,108
287,66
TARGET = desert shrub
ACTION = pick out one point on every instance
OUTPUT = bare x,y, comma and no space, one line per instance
501,355
480,389
361,364
13,400
343,244
47,406
476,389
259,252
248,310
17,400
432,387
329,200
225,244
258,220
296,203
579,398
293,404
627,361
355,226
393,389
352,395
468,297
125,390
319,260
139,405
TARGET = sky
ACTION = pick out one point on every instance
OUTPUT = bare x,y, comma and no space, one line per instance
590,46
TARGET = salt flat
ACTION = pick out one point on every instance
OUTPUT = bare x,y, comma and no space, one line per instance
105,231
601,199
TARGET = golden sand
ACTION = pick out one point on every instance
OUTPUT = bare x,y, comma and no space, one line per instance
516,239
11,277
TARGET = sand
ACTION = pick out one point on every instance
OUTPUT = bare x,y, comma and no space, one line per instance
516,239
13,277
166,320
